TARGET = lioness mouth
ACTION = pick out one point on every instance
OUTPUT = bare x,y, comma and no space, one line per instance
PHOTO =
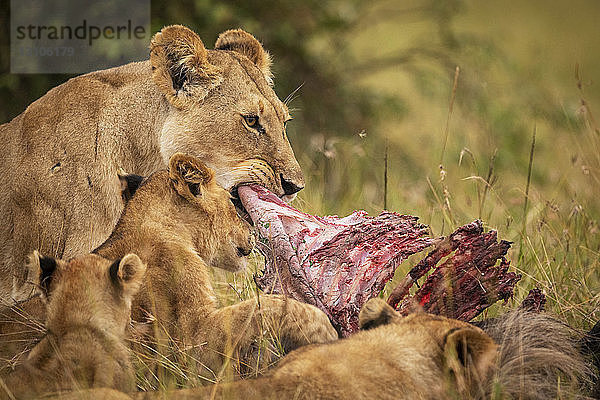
239,204
254,171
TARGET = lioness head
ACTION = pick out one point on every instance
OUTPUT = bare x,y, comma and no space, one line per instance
240,133
222,238
88,290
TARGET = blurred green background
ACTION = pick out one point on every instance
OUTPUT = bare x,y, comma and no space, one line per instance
378,80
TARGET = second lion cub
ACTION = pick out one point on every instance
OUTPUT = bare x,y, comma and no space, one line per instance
88,307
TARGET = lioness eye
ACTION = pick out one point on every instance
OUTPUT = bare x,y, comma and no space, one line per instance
251,120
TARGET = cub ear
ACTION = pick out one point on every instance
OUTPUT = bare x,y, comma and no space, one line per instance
376,312
129,184
180,66
189,175
127,274
469,354
244,43
43,268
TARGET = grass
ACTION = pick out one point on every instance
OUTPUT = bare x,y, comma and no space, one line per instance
541,195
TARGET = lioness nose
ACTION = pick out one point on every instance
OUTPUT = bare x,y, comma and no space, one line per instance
289,187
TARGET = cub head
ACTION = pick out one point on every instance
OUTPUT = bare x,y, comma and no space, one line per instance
87,290
221,238
463,355
223,110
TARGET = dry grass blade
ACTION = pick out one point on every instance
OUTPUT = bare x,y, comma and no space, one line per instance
526,201
385,175
450,109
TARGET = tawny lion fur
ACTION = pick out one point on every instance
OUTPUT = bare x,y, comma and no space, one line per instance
180,223
21,325
60,157
88,310
422,357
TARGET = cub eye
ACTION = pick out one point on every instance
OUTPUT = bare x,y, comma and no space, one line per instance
251,120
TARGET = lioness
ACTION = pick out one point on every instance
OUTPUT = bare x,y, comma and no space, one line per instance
59,158
88,308
422,356
180,222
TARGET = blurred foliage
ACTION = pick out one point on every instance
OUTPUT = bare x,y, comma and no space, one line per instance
297,44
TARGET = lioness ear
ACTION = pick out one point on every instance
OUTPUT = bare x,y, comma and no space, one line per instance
44,269
244,43
180,66
189,175
469,354
376,312
127,274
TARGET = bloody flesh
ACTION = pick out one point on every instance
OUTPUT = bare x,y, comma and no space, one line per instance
337,264
467,282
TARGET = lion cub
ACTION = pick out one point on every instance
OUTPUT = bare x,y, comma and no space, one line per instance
88,305
180,223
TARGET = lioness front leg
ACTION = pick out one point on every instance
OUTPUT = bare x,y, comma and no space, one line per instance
256,332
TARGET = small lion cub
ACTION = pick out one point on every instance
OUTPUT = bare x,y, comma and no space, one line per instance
88,304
